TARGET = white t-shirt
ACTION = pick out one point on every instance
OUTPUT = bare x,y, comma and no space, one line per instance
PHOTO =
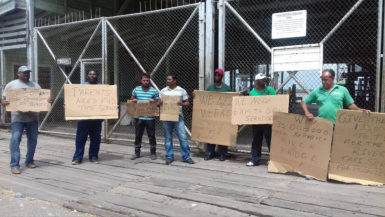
178,91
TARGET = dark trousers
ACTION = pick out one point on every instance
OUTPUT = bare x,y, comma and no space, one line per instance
259,132
92,128
210,150
140,124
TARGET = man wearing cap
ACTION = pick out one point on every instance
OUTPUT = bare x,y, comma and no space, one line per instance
263,130
330,98
21,121
217,86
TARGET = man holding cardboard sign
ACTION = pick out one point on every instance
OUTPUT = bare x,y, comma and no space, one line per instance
22,120
329,97
263,130
144,93
217,86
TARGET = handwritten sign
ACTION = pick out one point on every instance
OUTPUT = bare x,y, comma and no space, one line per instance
84,102
211,122
28,100
301,146
142,109
169,111
258,109
358,153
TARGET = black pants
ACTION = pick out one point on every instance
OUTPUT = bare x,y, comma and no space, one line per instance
210,150
140,124
260,131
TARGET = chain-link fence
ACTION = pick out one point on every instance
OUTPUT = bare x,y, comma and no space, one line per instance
351,50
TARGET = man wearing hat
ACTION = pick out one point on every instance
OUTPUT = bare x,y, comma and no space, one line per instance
21,121
263,130
217,86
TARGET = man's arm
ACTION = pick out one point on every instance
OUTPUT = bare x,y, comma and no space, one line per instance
184,103
305,109
353,106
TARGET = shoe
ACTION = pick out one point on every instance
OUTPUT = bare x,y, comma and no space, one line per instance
94,160
189,161
169,161
15,171
31,165
75,162
153,156
135,156
222,157
251,164
208,157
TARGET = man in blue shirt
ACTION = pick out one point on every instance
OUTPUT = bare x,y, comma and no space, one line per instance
145,93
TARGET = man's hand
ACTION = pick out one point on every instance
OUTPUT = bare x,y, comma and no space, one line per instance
134,100
152,101
365,111
180,103
4,102
49,100
160,102
309,116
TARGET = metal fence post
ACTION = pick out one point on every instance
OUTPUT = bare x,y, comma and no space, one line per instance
201,46
380,41
104,70
35,59
210,28
221,34
2,69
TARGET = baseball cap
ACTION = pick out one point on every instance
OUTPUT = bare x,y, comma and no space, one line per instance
260,76
23,69
219,71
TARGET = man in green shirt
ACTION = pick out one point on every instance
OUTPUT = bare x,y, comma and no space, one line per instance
262,130
330,98
217,86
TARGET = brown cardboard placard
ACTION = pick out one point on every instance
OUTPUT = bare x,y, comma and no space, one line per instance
211,122
84,102
169,111
142,109
249,110
28,100
358,151
300,146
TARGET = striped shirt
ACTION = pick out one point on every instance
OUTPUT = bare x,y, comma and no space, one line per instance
142,95
178,91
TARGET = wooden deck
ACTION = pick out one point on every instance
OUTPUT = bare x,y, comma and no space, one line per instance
121,187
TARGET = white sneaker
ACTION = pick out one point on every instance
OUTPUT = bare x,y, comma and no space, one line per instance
250,164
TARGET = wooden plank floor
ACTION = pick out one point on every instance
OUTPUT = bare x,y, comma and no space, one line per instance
121,187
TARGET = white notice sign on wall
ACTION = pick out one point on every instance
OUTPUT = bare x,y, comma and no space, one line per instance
289,24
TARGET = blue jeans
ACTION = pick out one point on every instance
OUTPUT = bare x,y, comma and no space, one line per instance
85,128
14,145
168,128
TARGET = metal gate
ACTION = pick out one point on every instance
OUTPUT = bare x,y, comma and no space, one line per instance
120,49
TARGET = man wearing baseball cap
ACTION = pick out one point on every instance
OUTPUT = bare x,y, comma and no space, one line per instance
217,86
21,121
263,130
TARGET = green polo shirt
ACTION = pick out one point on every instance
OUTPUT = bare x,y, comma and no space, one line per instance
267,91
329,103
224,88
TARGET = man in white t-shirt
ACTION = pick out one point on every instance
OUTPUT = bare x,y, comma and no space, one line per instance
169,126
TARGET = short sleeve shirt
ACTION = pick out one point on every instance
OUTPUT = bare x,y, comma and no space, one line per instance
329,103
142,95
223,88
267,91
22,116
178,91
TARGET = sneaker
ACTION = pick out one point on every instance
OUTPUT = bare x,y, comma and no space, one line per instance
94,160
208,157
31,165
169,161
15,171
189,161
135,156
153,156
222,157
251,164
75,162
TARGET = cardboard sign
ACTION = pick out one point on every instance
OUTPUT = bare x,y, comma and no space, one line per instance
211,122
300,146
142,109
258,109
169,111
358,153
28,100
84,102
